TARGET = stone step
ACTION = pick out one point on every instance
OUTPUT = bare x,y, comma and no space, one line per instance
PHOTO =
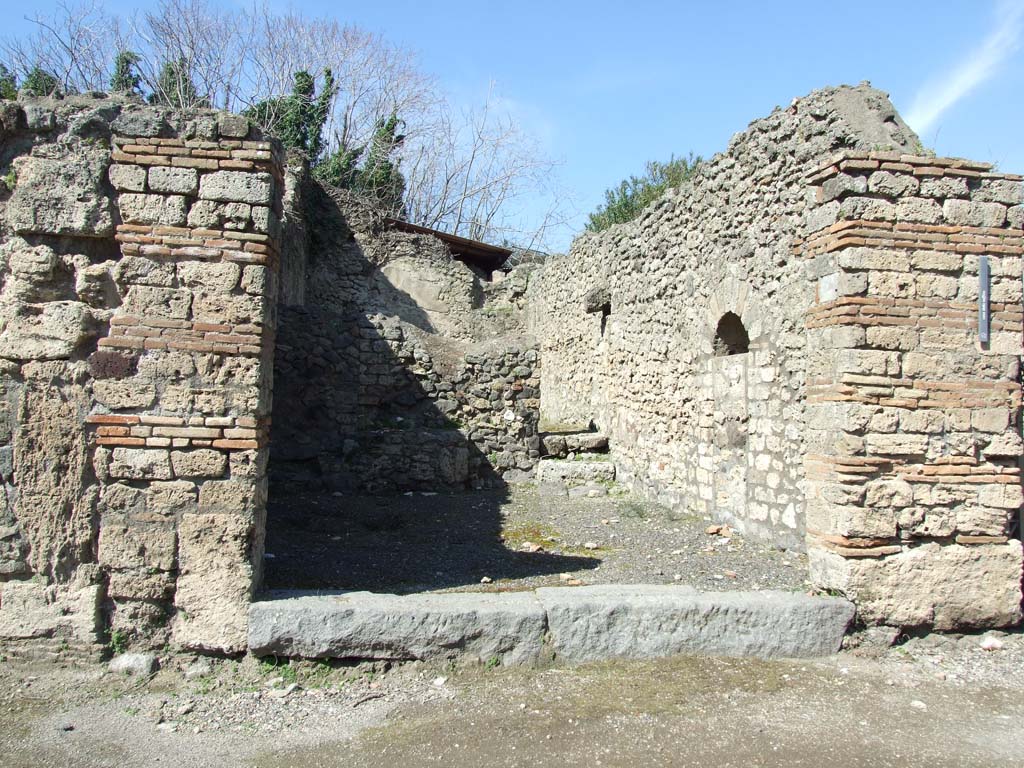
562,624
571,472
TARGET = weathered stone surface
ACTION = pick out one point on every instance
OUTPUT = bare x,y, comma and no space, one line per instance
638,621
140,464
199,463
128,178
215,582
63,196
55,507
51,331
31,609
574,472
134,664
143,122
509,627
153,209
928,585
255,188
220,278
583,624
975,214
232,126
178,181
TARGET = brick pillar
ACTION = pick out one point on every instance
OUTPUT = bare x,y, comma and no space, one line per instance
183,379
913,440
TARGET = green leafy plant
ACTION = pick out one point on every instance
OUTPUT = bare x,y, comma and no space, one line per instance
41,82
118,642
298,119
126,78
625,202
379,178
176,88
8,84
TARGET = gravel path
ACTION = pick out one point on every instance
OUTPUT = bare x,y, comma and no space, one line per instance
507,540
940,700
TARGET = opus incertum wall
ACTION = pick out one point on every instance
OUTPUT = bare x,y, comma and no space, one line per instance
790,344
863,417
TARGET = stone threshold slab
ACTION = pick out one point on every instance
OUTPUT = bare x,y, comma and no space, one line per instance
555,624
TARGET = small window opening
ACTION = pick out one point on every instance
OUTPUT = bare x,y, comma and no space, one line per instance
731,337
606,310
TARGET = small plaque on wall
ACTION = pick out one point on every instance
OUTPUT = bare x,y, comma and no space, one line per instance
984,316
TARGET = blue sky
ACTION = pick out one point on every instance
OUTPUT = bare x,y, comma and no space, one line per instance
607,86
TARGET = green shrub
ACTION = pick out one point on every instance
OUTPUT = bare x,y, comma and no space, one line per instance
624,202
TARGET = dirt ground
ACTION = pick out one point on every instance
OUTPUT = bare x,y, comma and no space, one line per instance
507,540
934,701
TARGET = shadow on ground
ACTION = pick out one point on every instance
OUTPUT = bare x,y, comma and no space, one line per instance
359,414
404,543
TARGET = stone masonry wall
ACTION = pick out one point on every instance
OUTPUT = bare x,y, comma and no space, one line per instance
864,419
390,374
914,447
139,260
362,406
703,432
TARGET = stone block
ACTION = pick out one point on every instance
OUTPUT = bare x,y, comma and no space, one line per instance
1005,445
217,278
647,621
166,210
128,178
139,121
178,181
118,395
219,308
945,587
232,126
508,627
51,331
1015,217
891,337
199,463
237,186
140,464
235,497
125,543
140,584
215,582
919,210
974,214
148,301
843,184
892,184
897,445
993,420
137,270
63,196
256,280
944,186
1000,191
32,609
171,499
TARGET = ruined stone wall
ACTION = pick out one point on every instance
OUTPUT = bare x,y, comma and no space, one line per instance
139,254
387,375
914,447
866,415
706,433
363,406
